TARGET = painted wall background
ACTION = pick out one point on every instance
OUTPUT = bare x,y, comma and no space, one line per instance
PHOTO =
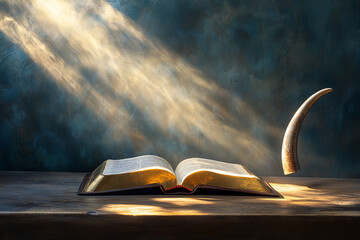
85,81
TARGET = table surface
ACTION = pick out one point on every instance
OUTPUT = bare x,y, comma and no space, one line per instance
55,192
47,194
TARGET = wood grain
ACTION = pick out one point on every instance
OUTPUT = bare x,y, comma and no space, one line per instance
46,203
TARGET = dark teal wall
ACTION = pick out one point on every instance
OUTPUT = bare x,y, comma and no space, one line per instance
257,61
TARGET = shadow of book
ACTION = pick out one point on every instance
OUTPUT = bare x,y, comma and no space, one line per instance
156,189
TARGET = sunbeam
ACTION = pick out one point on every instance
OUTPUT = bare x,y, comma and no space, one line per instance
103,58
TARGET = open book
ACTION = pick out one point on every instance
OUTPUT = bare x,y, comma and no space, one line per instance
189,176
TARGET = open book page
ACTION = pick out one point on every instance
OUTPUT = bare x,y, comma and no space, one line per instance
131,172
135,164
192,165
153,171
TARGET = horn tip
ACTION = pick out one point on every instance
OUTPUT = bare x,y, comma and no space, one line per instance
327,90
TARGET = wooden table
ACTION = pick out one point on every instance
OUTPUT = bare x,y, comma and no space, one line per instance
44,205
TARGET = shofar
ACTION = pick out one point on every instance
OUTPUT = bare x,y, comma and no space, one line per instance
289,156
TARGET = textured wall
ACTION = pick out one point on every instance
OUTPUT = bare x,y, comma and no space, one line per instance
85,81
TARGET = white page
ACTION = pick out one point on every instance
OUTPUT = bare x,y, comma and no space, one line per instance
191,165
136,164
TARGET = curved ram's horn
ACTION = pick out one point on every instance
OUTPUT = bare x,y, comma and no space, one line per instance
289,157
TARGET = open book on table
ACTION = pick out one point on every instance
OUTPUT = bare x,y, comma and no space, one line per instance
190,175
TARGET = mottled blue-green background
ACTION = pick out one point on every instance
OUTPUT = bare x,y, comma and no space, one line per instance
271,54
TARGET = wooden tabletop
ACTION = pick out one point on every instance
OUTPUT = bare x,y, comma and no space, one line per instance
46,203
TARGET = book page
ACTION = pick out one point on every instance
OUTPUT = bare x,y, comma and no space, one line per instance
191,165
140,163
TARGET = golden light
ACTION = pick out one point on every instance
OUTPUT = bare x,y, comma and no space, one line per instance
144,210
177,99
181,201
298,195
166,206
308,198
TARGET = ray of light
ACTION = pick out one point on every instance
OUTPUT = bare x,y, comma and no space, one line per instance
64,74
127,66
